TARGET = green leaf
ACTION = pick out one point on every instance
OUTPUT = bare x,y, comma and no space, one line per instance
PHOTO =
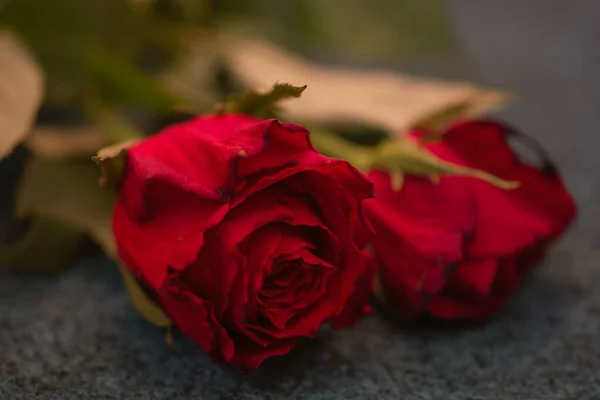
146,307
47,246
261,105
440,119
21,92
332,145
398,156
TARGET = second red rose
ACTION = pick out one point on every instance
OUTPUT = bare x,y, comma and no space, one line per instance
457,249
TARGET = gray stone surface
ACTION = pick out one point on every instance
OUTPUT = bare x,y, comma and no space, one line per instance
76,337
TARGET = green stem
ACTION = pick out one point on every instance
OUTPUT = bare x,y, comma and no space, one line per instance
334,146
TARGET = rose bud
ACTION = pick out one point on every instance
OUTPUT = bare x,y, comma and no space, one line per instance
457,247
246,236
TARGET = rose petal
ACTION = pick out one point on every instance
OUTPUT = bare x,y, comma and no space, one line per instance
443,206
292,244
473,278
395,223
196,319
213,211
172,192
284,144
339,187
509,220
477,308
250,355
359,304
338,207
167,241
197,156
275,204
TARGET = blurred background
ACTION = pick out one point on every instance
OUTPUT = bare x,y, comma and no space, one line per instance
112,69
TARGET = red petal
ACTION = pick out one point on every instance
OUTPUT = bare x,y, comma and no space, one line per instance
509,220
284,145
358,305
473,278
221,261
172,192
446,206
468,306
195,318
250,355
196,156
170,240
432,218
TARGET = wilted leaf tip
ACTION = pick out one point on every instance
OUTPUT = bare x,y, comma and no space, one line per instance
48,246
283,90
262,105
111,161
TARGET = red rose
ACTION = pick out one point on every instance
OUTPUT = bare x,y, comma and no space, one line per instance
247,237
457,249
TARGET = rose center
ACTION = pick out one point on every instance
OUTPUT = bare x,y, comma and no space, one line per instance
284,282
292,288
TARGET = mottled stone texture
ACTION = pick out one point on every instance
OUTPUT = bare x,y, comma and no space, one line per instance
76,337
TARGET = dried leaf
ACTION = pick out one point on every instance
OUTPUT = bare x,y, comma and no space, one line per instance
67,192
101,233
65,203
384,99
111,161
47,246
147,308
21,92
53,142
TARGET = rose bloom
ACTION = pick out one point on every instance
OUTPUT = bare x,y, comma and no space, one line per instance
247,237
457,249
